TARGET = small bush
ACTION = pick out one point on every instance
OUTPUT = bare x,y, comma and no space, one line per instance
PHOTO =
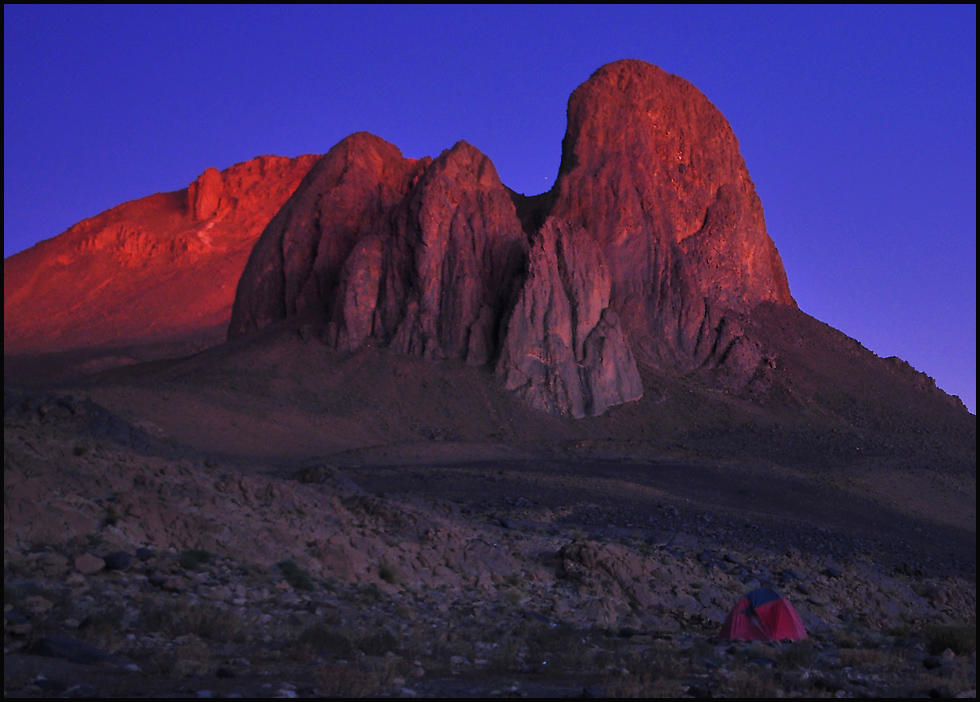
323,639
111,517
960,639
345,681
513,596
194,558
386,572
297,578
862,656
750,683
657,672
379,643
702,650
558,647
799,654
204,621
104,625
372,593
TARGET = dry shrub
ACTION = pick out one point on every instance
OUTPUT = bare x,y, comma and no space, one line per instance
190,657
947,682
643,683
557,648
798,654
321,638
961,639
750,683
506,656
297,578
194,558
862,656
367,594
205,621
387,572
658,671
105,627
339,680
379,643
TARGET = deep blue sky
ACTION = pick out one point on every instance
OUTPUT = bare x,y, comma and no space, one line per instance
858,125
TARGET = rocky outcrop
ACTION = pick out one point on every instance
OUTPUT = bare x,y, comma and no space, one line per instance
651,169
430,258
421,255
564,349
204,195
453,250
298,259
651,247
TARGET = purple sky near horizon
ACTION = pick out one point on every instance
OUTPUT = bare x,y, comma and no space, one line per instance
858,124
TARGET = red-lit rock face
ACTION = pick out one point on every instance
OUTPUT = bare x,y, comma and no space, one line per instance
651,245
159,268
297,261
419,254
651,169
563,349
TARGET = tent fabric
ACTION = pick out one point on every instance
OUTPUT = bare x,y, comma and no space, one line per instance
763,615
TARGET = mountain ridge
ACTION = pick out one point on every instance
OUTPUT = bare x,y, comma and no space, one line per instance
148,270
650,249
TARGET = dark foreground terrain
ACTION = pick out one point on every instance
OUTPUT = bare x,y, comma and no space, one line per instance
279,521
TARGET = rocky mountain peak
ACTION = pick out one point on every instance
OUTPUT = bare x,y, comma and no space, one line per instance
650,248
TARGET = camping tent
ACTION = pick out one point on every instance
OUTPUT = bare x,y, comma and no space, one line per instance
763,615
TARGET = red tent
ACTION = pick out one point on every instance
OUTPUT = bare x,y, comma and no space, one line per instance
763,615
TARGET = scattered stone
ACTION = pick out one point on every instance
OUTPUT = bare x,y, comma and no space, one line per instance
89,564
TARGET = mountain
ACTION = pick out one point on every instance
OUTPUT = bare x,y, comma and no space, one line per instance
651,245
647,264
163,267
429,412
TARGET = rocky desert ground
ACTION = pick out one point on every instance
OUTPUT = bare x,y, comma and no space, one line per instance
147,552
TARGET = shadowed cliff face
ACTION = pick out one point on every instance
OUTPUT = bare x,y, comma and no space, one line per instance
651,246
